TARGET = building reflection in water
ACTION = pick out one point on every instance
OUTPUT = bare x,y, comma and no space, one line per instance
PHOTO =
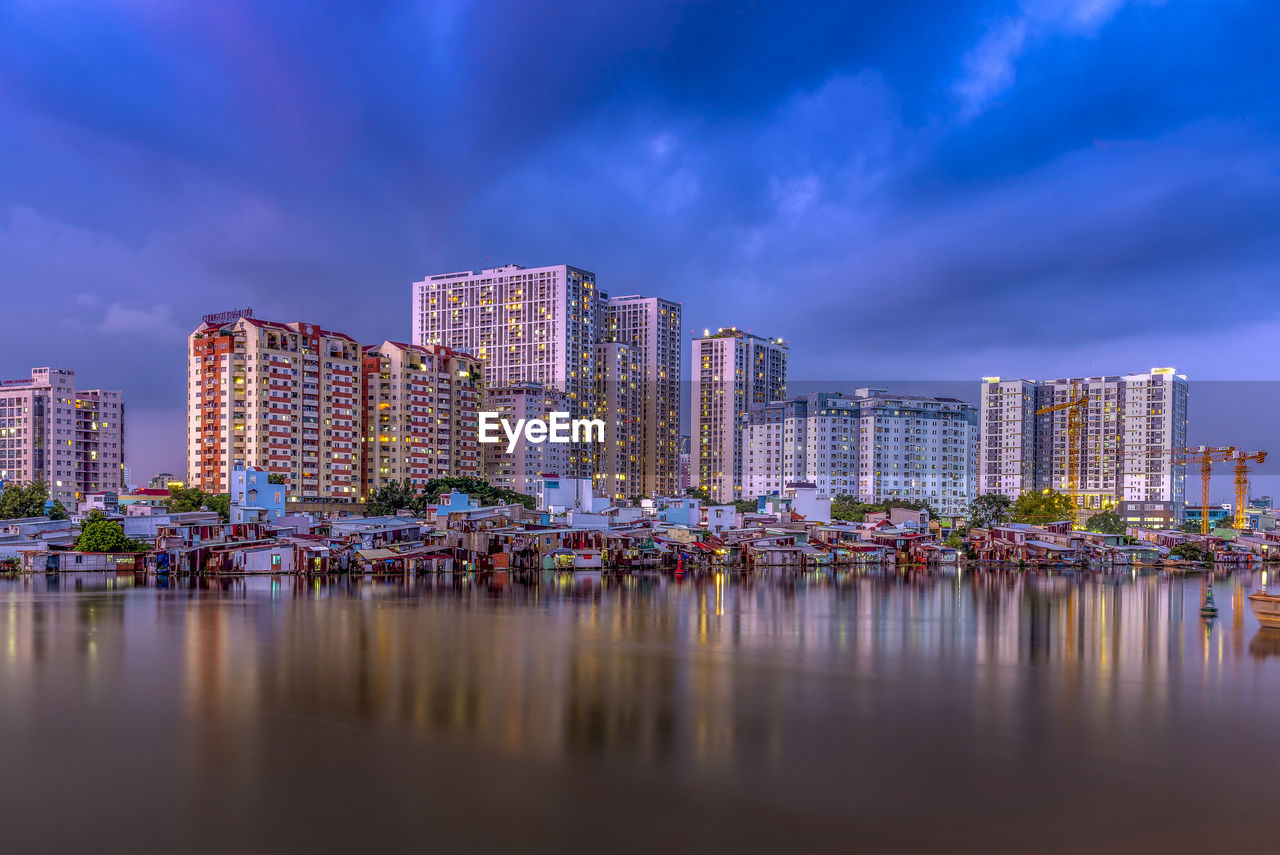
814,690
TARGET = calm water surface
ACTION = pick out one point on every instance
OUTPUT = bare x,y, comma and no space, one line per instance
974,711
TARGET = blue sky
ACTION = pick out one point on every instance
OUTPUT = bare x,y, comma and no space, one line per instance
903,190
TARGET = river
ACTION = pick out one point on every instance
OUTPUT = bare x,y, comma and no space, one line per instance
979,710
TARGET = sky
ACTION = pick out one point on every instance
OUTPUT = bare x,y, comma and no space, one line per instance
912,191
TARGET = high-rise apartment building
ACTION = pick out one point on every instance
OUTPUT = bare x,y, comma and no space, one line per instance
420,405
651,328
527,325
1007,448
1130,425
732,372
528,461
619,465
874,445
72,440
281,396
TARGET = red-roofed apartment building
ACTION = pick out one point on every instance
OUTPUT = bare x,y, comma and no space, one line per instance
282,396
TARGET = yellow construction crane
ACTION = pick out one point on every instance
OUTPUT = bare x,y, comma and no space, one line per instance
1206,456
1074,406
1242,483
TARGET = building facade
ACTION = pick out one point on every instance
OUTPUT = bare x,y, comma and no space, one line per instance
529,461
875,445
421,404
619,465
281,396
71,439
527,325
1131,425
733,371
651,328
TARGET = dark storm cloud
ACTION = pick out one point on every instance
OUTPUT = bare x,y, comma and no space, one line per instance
902,189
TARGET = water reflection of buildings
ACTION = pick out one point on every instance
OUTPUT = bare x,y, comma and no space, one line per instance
710,668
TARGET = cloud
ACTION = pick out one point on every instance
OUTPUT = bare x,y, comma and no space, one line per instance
990,67
155,322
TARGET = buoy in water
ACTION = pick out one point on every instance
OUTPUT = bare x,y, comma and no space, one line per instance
1208,608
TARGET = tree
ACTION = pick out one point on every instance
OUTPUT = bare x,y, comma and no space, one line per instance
58,511
955,541
989,509
220,503
1190,527
275,478
23,500
745,506
1189,552
848,508
187,499
100,534
482,491
1107,522
391,497
1041,508
698,493
397,495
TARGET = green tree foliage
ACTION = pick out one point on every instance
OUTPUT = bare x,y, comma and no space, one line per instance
275,478
1107,522
397,495
698,493
989,509
1189,552
852,509
187,499
23,500
955,541
1190,527
100,534
392,497
58,511
1041,508
745,506
479,490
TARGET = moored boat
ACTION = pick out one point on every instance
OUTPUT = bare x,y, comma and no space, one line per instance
1266,608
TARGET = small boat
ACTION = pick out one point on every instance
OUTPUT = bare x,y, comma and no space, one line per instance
1266,608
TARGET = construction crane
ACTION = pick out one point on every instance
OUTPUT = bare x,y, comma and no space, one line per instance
1206,456
1074,406
1242,484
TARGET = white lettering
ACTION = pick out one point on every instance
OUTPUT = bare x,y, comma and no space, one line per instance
488,427
583,428
559,427
512,434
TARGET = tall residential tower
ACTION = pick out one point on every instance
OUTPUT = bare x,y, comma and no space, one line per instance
1131,425
732,372
650,328
527,325
281,396
72,440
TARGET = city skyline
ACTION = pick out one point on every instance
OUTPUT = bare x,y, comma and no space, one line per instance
886,171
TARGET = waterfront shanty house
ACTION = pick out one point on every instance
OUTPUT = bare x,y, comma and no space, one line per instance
370,532
401,559
33,534
930,552
68,561
1054,543
633,549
